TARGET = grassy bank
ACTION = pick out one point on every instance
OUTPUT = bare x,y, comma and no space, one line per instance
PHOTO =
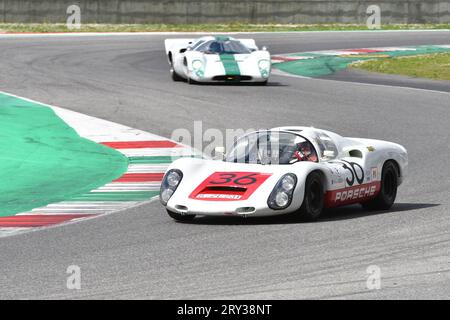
433,66
232,27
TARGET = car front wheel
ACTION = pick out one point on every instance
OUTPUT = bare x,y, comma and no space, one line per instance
173,74
313,201
190,81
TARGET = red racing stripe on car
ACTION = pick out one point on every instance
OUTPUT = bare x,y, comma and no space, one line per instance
229,186
140,177
355,194
28,221
141,144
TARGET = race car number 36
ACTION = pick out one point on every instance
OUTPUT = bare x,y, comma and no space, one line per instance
229,186
238,178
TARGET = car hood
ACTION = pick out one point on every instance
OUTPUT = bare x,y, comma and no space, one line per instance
210,180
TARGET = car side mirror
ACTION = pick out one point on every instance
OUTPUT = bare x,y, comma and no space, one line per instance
183,50
264,48
219,153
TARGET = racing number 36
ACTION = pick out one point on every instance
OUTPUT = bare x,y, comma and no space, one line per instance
242,179
249,181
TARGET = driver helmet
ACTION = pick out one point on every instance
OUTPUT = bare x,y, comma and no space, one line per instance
305,148
215,47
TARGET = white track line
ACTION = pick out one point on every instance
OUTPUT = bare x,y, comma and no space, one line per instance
4,232
121,34
146,168
147,152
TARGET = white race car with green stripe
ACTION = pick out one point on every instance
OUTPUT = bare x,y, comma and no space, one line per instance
217,59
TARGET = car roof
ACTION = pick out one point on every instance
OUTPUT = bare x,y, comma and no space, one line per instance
309,132
217,38
315,134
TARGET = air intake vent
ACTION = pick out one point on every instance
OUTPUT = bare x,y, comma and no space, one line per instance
244,210
232,189
232,78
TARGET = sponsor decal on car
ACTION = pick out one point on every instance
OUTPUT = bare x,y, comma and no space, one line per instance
374,173
219,196
353,194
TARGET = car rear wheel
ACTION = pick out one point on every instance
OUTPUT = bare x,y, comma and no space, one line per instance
389,182
180,217
313,201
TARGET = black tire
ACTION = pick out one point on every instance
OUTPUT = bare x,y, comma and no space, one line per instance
313,201
180,217
389,183
174,75
190,81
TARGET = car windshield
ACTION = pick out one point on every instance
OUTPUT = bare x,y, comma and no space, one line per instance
223,47
197,44
327,148
272,147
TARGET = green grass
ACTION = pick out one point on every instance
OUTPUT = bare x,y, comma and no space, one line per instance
232,27
432,66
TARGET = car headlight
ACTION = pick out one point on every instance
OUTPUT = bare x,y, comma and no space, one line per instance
281,199
173,179
281,196
169,184
288,182
197,64
264,64
166,194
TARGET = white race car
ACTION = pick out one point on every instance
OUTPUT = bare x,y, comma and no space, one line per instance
217,59
297,170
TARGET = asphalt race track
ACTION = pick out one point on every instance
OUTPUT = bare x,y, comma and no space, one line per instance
142,253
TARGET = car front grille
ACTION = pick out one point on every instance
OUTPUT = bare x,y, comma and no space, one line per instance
232,78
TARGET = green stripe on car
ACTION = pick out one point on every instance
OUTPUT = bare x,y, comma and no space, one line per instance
230,65
222,38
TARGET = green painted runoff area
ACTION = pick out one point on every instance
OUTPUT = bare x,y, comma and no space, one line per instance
43,160
318,65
